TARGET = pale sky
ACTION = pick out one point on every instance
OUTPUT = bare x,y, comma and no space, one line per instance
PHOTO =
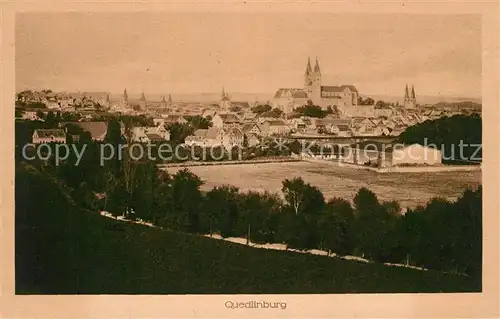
247,52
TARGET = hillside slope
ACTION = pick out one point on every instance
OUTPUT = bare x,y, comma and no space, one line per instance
61,249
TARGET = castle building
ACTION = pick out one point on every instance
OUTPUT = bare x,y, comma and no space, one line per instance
410,101
342,96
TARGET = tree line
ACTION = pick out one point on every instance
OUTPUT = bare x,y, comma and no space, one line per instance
448,133
441,235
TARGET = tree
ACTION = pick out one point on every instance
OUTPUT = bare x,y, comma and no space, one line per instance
302,197
449,133
368,223
259,109
367,101
381,104
334,226
276,113
235,108
198,122
220,211
186,201
311,111
179,132
51,120
114,139
255,211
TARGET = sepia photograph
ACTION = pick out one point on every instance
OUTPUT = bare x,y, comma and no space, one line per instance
165,153
249,160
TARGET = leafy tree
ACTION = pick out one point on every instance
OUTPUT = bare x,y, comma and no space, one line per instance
369,222
198,122
51,120
276,113
334,226
220,211
186,201
259,109
114,139
179,132
255,211
447,134
235,108
311,111
302,197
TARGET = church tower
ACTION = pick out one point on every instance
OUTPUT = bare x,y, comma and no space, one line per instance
410,100
125,98
225,102
107,101
142,102
316,84
308,79
163,103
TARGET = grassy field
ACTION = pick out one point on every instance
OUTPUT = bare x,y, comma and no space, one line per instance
409,189
61,249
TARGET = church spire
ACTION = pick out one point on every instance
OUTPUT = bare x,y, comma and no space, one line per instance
125,95
143,97
316,67
308,68
412,92
406,92
169,98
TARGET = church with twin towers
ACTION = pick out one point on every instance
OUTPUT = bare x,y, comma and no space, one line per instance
343,97
315,92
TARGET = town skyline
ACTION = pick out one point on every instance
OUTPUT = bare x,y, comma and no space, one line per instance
162,54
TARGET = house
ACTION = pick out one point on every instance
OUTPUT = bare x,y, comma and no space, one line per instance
310,125
31,115
174,118
205,137
384,130
251,128
226,120
49,136
96,129
415,154
341,130
158,121
274,127
397,130
209,114
298,124
252,139
232,137
144,134
330,125
370,131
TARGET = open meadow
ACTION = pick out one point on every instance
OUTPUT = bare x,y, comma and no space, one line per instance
409,189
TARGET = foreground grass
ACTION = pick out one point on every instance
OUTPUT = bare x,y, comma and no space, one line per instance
61,249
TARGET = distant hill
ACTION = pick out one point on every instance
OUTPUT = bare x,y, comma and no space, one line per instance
463,104
62,249
425,99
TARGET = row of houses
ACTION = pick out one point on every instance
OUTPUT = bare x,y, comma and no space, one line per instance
97,131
